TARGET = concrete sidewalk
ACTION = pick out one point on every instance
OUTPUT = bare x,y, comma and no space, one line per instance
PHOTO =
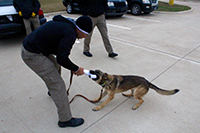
164,48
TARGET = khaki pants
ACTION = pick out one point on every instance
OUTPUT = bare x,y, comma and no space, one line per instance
100,22
27,23
48,69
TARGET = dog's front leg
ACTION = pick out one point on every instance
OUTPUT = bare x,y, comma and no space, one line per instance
111,96
100,97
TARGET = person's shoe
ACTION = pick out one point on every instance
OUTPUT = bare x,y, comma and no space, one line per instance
49,93
73,122
88,54
113,54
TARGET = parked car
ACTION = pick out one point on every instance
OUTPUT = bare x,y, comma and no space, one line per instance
115,7
10,21
138,6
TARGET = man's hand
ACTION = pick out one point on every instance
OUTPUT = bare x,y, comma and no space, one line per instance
20,13
79,72
33,14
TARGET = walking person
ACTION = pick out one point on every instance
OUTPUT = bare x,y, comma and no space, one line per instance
56,37
28,10
95,9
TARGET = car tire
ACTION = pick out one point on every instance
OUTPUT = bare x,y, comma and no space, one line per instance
69,8
135,9
120,15
146,12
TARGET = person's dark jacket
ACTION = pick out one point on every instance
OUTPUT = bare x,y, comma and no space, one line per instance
27,7
54,37
93,8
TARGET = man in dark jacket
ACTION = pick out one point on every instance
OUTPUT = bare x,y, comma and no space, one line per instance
28,9
56,38
95,9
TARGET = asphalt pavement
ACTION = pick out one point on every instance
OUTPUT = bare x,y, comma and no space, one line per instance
162,47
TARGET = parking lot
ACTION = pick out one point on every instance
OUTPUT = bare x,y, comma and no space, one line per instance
162,47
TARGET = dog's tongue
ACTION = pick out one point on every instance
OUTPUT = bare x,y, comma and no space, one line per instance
87,72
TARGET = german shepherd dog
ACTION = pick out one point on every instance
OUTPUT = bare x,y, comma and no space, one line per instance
112,84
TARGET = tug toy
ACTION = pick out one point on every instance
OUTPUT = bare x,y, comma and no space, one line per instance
92,76
87,72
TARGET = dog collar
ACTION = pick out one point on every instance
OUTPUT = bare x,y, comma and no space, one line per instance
103,85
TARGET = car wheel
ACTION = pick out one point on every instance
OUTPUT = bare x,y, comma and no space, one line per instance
135,9
69,8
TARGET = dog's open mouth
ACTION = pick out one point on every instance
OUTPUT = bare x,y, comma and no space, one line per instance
94,73
100,77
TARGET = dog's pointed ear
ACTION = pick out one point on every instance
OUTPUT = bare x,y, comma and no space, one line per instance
106,75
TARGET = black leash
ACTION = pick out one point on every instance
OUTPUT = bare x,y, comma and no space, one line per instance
70,82
71,77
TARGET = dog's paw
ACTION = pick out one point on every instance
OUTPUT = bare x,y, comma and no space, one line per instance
96,100
134,108
96,109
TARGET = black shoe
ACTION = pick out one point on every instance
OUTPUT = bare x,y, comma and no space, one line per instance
88,54
49,93
73,122
113,54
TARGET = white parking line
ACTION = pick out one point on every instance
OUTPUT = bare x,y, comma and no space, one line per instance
117,26
122,41
144,19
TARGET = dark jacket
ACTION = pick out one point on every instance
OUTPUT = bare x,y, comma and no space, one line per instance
93,8
27,7
54,37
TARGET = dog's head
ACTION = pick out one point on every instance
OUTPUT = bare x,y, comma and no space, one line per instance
101,78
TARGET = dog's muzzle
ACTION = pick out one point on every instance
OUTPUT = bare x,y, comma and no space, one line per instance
94,73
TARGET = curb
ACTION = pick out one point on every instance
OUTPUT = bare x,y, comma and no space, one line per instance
159,12
54,13
179,12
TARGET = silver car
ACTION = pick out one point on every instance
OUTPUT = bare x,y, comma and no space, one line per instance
10,22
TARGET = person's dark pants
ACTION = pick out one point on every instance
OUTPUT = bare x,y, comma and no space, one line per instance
32,20
48,69
100,22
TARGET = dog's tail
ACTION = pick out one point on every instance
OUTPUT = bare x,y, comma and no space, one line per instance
161,91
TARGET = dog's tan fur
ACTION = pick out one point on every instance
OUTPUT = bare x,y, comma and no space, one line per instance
139,86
